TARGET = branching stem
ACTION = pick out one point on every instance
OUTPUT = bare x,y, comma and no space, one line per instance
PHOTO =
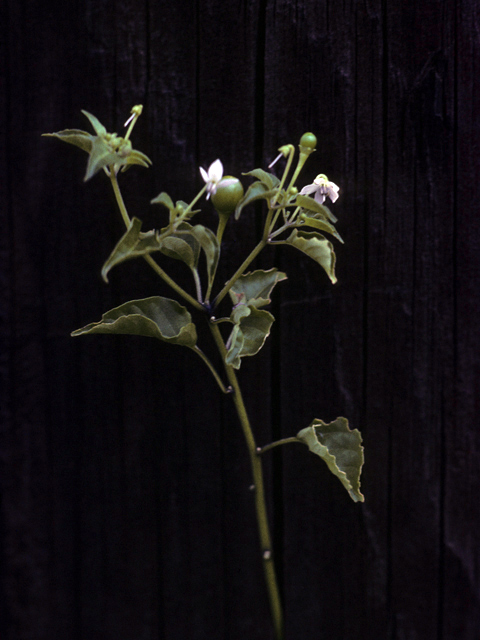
156,267
214,372
260,502
239,271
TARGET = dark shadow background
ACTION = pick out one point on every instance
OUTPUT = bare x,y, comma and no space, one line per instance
125,510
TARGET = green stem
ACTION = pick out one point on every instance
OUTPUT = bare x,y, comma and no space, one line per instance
214,372
260,502
197,197
156,267
286,171
239,272
198,285
301,161
277,443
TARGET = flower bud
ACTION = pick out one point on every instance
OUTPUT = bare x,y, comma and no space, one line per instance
307,143
228,194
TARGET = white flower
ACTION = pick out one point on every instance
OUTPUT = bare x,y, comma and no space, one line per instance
321,187
213,177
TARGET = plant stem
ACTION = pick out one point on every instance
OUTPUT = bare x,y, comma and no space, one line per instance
198,285
214,372
260,503
157,268
239,272
277,443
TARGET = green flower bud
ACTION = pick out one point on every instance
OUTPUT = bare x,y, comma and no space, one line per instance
227,195
307,143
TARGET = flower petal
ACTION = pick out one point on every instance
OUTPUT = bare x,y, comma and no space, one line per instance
204,174
215,171
332,190
310,188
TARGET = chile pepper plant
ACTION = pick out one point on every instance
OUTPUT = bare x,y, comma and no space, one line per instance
293,218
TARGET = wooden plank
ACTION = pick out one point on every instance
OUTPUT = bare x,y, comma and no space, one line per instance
461,590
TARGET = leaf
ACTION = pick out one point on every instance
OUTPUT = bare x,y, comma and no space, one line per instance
255,191
209,243
135,157
132,244
101,155
154,317
234,346
315,246
97,126
180,249
341,449
319,223
164,199
268,179
257,286
312,205
76,137
248,336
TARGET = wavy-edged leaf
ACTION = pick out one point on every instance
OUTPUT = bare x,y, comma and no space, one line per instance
315,246
248,336
154,317
132,244
255,191
96,124
239,311
76,137
268,179
320,224
257,286
340,447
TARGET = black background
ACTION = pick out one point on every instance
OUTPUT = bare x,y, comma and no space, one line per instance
125,510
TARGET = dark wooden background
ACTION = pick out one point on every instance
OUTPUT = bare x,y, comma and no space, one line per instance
125,510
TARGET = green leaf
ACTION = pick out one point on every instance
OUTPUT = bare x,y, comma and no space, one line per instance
101,155
256,286
268,179
312,205
154,317
319,223
132,244
248,336
315,246
135,157
209,243
180,248
234,347
164,199
97,126
341,449
76,137
255,191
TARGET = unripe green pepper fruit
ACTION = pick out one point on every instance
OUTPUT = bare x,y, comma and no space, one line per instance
308,143
228,194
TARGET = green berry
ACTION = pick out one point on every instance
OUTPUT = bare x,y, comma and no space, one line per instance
308,143
228,194
308,140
